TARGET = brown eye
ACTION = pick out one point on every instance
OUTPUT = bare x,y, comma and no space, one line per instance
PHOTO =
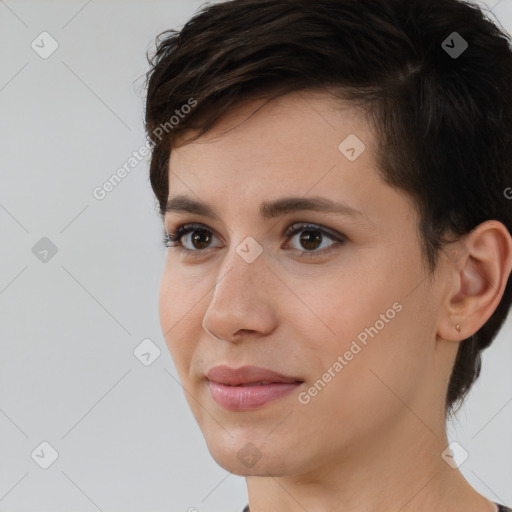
310,242
199,240
312,237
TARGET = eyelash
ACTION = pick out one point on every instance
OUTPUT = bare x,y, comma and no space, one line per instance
175,239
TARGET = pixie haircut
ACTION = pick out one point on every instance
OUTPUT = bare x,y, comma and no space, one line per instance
443,121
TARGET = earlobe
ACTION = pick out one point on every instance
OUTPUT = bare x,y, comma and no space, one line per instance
480,278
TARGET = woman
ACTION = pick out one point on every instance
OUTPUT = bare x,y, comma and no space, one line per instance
332,179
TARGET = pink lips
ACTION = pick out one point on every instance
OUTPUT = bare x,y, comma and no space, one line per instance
248,387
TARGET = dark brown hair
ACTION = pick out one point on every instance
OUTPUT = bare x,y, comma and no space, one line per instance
444,121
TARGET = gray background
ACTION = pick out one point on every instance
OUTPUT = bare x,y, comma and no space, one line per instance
125,438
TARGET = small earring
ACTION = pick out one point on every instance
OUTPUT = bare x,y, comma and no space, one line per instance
457,327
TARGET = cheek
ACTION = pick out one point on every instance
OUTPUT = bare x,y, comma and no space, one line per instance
338,308
168,307
178,304
372,322
354,387
180,295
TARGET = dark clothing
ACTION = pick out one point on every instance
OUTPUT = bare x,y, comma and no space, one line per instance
501,508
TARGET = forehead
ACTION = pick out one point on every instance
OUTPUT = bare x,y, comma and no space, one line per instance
294,146
293,138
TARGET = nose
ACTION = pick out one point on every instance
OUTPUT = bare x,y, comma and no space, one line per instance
241,304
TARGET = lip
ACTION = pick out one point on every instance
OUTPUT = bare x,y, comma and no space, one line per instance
248,387
246,375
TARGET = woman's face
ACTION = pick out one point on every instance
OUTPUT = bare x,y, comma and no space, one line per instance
350,325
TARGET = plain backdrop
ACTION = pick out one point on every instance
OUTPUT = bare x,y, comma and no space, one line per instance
79,280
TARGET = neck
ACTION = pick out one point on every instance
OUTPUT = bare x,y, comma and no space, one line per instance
404,472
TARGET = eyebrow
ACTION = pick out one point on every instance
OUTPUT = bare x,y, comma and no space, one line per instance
268,209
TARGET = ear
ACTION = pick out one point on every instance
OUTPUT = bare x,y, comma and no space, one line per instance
480,269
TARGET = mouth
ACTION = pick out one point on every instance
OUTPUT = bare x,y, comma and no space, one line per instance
247,375
248,387
259,383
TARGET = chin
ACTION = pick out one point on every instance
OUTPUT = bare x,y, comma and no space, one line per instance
231,463
240,456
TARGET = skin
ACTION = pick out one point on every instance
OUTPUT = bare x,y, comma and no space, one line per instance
372,438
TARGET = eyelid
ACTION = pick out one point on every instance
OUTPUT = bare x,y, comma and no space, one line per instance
303,226
187,228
